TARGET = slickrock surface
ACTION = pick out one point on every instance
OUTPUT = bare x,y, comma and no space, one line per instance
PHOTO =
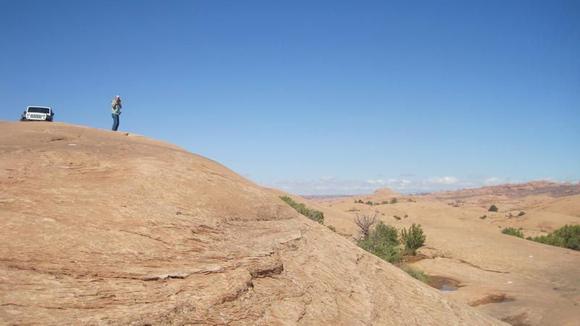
99,227
516,280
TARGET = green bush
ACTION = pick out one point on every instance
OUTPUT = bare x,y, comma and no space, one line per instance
386,233
549,239
493,208
312,214
383,242
567,236
413,238
513,231
417,274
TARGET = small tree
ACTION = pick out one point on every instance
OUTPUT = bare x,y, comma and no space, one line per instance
413,238
386,234
383,242
365,223
493,208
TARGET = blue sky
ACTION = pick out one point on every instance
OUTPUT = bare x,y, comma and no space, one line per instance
316,97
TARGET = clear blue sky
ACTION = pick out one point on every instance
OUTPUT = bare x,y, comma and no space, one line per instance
315,96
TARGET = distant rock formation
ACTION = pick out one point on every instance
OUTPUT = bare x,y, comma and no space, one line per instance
533,188
386,193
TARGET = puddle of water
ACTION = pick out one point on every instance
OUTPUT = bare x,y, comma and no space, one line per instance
445,284
447,288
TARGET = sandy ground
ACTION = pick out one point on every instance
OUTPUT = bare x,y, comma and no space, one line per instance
98,227
519,281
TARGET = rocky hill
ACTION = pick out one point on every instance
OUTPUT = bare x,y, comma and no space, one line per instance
99,227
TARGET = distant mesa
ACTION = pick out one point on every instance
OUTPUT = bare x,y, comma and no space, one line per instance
532,188
386,192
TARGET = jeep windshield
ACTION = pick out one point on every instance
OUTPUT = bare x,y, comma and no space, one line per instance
39,110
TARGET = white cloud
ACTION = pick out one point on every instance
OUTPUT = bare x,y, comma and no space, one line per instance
444,180
493,181
335,186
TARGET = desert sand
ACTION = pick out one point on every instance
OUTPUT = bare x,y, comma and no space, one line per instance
98,227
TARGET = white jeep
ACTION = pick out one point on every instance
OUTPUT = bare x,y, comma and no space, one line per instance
37,113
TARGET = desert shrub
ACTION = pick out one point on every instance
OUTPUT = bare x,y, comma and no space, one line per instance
384,202
397,217
358,201
513,231
386,233
312,214
370,203
394,201
413,238
383,242
567,236
483,217
548,239
570,235
522,213
415,273
493,208
365,223
332,228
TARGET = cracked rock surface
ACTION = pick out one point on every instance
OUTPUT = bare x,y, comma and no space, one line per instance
99,227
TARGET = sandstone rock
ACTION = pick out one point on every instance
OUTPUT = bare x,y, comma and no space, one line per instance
89,234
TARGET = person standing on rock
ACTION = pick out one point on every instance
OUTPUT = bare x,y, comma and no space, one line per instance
116,106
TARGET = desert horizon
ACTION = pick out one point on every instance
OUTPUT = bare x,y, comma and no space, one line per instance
526,184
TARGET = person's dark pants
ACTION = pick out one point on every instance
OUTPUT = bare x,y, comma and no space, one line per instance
115,122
